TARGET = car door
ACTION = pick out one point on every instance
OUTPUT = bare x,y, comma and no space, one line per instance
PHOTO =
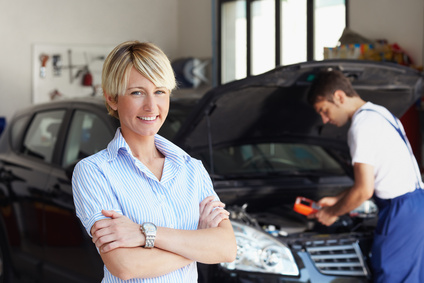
70,255
25,173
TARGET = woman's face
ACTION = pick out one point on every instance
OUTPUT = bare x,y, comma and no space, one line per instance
143,108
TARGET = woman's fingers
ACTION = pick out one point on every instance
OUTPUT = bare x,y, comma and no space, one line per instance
209,204
213,218
115,232
212,212
204,203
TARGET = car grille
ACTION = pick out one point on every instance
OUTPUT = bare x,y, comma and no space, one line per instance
338,257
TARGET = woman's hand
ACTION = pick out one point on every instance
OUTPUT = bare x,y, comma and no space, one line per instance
117,231
212,212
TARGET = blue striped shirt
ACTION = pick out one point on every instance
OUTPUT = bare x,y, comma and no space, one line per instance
113,179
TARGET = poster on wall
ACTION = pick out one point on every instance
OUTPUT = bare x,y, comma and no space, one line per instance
65,71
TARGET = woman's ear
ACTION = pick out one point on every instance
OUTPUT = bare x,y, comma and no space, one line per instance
111,101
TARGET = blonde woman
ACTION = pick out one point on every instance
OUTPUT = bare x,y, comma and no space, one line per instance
149,207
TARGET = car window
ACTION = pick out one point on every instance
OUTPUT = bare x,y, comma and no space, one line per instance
87,135
40,139
285,158
16,131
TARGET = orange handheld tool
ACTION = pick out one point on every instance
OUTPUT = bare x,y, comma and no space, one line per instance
305,206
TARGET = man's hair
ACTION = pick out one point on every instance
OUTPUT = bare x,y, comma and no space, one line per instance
326,83
146,58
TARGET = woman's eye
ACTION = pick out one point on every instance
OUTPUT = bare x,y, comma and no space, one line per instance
136,93
160,92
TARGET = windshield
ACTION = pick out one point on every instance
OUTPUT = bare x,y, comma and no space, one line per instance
280,158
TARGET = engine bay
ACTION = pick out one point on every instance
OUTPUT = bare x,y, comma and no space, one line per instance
282,221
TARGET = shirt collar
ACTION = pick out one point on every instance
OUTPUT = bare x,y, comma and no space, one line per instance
167,148
366,105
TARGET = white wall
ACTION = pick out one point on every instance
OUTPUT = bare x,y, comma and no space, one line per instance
397,21
195,28
24,23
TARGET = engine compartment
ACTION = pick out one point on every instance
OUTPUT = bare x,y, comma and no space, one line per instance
282,221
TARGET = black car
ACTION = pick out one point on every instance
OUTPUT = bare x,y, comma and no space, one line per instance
263,146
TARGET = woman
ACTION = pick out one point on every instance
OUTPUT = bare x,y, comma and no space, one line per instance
150,207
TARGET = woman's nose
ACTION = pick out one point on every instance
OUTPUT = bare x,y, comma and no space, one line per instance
148,103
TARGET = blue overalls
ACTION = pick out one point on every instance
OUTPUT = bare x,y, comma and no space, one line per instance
398,248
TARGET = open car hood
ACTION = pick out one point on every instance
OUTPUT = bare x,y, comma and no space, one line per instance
273,107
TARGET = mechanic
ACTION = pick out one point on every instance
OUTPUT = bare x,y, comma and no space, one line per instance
149,207
384,167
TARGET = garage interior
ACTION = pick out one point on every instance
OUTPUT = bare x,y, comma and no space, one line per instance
82,33
55,49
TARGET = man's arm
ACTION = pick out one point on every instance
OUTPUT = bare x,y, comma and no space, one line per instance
361,191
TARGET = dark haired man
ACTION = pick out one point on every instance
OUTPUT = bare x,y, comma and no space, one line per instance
385,167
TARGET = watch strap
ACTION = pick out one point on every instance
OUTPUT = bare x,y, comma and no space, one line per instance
150,241
149,231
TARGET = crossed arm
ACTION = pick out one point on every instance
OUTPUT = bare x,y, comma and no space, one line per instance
120,243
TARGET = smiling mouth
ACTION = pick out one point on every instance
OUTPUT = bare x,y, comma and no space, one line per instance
147,118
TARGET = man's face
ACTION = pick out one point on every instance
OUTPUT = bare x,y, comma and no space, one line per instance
331,112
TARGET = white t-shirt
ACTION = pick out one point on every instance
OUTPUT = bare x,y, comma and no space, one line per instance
373,140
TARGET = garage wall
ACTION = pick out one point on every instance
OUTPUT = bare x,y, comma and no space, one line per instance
397,21
24,23
195,28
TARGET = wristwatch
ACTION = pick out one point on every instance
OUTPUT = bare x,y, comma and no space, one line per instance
149,230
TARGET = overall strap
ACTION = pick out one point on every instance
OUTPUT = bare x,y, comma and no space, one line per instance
404,138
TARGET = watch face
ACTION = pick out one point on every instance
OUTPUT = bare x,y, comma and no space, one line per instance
149,227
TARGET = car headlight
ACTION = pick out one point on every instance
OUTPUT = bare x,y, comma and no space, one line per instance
260,252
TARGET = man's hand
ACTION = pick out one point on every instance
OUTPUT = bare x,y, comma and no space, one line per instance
350,199
328,201
116,232
212,212
324,216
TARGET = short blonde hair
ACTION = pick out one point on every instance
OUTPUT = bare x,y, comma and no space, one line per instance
146,58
